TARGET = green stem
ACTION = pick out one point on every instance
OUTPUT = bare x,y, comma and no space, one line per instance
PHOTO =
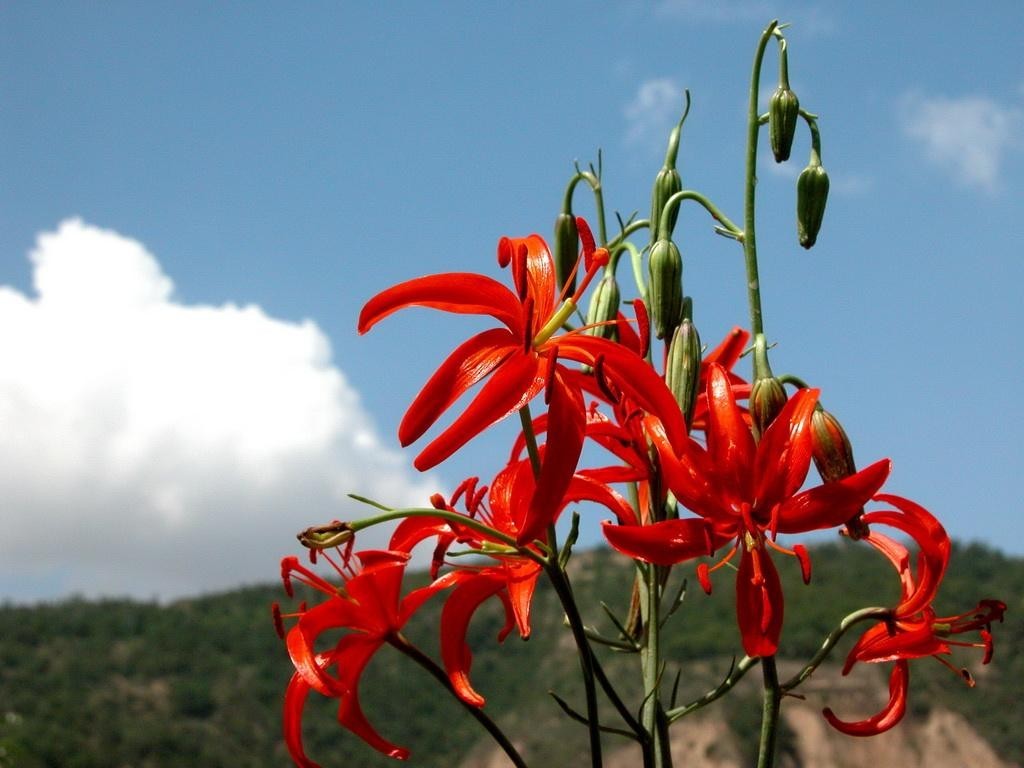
865,614
414,653
650,661
594,180
560,582
689,194
750,186
628,230
769,713
734,676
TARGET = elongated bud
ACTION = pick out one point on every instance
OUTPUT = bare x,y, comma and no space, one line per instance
811,195
833,458
783,110
668,181
567,247
682,371
665,295
767,398
326,536
604,308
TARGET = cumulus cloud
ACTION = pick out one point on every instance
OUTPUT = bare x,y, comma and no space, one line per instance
154,448
657,106
967,136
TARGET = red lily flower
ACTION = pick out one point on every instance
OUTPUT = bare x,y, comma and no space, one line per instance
745,492
913,630
516,359
368,604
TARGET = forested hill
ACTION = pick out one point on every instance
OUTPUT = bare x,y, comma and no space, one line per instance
199,682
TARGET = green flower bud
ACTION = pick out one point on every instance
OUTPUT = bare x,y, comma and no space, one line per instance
682,370
833,457
567,248
668,181
811,194
665,292
767,398
604,308
783,110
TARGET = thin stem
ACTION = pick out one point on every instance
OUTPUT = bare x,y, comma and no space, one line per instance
750,185
650,661
414,653
865,614
628,230
734,676
689,194
594,181
563,589
769,713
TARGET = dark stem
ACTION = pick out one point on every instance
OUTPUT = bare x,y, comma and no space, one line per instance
769,713
400,643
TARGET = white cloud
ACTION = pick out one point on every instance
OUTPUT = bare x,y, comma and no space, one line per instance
657,107
153,448
967,136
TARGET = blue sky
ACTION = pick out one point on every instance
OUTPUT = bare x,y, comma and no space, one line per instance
181,383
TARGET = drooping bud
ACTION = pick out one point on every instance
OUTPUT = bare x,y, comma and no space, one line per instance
767,398
665,292
833,458
604,308
668,182
682,370
811,195
326,536
767,395
783,110
567,246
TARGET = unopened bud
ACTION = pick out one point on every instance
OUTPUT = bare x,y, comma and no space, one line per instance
783,110
326,536
567,247
811,195
682,371
604,308
668,182
767,398
665,293
833,458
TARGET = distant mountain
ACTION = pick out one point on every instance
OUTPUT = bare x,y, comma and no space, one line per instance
124,684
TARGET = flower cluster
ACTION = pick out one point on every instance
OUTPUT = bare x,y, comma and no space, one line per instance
690,462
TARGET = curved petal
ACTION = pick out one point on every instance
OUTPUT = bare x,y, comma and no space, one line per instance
759,603
784,453
521,579
686,469
728,352
832,504
637,380
511,386
730,442
534,268
471,361
300,641
663,543
888,717
566,423
458,610
588,485
910,641
460,292
354,653
295,696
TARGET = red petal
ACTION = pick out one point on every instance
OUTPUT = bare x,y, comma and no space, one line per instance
522,582
516,381
301,639
354,653
566,424
455,616
539,276
663,543
832,504
460,292
730,442
469,363
295,696
759,604
687,471
784,453
888,717
729,350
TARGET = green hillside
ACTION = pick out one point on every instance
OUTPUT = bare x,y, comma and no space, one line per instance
199,682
